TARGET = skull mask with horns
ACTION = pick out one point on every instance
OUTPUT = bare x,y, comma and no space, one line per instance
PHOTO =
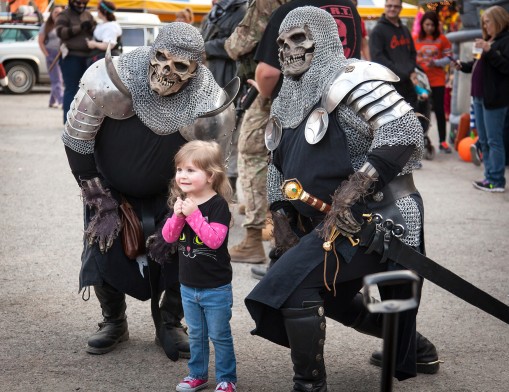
174,59
296,50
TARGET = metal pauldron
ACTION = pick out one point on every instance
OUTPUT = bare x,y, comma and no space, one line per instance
97,98
364,86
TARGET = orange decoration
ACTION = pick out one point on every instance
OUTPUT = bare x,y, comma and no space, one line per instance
464,148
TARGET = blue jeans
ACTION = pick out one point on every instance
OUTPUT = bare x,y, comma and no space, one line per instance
207,313
490,129
73,68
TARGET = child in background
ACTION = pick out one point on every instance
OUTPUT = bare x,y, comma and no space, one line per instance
199,196
422,93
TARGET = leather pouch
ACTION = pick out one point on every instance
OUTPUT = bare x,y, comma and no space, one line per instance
133,240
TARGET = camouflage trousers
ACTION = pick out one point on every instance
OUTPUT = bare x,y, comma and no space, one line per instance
252,163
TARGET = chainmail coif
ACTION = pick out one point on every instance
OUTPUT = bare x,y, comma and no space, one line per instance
167,114
298,96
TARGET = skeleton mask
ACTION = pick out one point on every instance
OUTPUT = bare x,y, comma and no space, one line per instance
296,50
169,73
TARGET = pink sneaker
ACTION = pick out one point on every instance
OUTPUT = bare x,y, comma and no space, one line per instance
226,387
190,384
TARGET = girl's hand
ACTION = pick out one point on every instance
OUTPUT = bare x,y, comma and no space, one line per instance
188,206
177,208
456,64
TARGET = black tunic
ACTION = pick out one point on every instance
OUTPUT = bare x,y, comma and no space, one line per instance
134,162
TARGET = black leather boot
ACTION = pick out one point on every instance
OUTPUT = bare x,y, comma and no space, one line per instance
427,356
306,333
372,324
113,328
171,335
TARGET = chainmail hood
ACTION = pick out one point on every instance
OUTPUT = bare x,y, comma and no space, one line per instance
167,114
298,96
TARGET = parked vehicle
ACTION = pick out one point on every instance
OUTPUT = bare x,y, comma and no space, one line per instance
26,65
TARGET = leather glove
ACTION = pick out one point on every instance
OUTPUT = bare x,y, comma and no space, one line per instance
105,225
348,206
158,249
87,25
284,237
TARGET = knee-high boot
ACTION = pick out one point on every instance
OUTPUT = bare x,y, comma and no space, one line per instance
170,333
372,324
306,333
113,328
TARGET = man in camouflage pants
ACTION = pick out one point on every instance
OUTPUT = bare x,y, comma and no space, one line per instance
252,161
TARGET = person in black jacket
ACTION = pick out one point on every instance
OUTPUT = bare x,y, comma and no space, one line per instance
490,83
219,24
391,44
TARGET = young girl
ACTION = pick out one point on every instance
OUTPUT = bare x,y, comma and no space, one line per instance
199,197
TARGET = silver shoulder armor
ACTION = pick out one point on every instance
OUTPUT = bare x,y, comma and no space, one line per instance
98,97
219,128
367,88
351,76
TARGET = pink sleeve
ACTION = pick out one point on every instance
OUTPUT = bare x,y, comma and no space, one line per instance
212,234
172,228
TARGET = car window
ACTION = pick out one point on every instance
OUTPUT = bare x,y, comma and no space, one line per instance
132,37
17,35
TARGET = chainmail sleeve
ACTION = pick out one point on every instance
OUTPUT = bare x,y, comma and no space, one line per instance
404,131
80,146
362,139
274,181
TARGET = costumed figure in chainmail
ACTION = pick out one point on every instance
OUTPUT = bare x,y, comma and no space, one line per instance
130,116
339,127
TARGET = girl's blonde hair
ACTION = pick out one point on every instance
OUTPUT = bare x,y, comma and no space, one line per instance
500,19
206,156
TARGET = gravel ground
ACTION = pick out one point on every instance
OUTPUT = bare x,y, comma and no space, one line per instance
44,323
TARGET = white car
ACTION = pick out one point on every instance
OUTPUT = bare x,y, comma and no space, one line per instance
25,64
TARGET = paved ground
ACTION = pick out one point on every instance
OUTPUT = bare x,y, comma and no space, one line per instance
44,323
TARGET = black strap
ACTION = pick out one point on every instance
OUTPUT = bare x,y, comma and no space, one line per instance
154,269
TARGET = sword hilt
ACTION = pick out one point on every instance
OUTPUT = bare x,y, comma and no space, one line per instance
292,190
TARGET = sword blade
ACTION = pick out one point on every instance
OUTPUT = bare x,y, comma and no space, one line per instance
448,280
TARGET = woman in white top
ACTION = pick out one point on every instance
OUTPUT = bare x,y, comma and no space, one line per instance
109,31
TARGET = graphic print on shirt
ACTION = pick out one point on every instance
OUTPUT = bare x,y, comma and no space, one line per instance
192,247
343,17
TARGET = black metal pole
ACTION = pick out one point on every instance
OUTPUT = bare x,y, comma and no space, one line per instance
390,336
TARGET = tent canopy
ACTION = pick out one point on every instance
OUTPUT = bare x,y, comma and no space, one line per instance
166,9
375,8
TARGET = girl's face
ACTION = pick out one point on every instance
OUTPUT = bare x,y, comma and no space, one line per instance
192,180
428,26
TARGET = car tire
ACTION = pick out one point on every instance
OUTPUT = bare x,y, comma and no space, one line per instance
21,77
